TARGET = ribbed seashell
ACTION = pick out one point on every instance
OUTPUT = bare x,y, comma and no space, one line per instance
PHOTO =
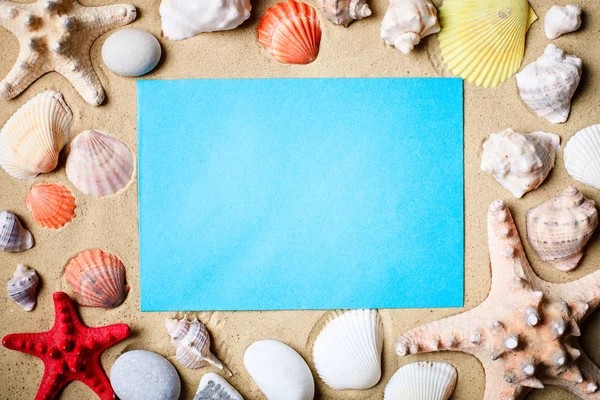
192,340
562,19
33,137
13,237
22,287
582,156
559,229
406,22
519,162
343,12
290,32
214,387
347,352
52,206
98,279
483,41
422,380
183,19
99,164
547,85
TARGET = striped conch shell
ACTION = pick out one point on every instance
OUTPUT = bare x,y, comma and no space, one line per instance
13,237
344,12
22,287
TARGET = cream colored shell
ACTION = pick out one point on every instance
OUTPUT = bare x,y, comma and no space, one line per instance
344,12
423,381
33,137
558,229
547,85
519,162
562,19
406,22
582,156
347,352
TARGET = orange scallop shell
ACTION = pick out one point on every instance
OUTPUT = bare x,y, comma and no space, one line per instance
98,279
52,206
290,32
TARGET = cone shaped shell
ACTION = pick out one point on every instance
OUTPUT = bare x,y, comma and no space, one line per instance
347,352
98,279
33,137
406,22
22,287
519,162
582,156
290,32
52,206
558,229
423,381
344,12
483,41
547,85
13,237
99,164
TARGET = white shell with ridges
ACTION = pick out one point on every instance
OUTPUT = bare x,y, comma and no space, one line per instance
33,137
183,19
547,85
582,156
279,371
406,22
347,352
562,19
519,162
423,381
99,164
13,237
22,287
215,387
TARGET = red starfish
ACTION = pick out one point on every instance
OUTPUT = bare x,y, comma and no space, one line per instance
70,351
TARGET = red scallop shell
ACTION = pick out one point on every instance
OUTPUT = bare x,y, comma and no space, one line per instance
290,32
52,206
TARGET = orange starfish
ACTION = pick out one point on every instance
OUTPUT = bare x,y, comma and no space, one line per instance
525,332
70,351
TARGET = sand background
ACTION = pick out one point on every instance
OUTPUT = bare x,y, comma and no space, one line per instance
358,51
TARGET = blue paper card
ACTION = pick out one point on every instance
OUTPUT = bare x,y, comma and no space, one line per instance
271,194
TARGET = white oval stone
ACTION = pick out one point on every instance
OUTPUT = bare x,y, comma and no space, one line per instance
279,371
144,375
131,52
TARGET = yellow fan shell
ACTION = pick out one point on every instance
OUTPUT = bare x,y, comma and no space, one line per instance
483,41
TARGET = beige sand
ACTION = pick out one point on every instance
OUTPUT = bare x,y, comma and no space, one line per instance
111,223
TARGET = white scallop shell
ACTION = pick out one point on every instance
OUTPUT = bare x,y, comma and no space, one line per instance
519,162
215,387
33,137
406,22
13,237
99,164
347,352
183,19
22,287
582,156
343,12
562,19
423,381
547,85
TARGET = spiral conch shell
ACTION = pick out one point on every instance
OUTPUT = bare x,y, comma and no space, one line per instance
22,287
33,137
558,229
13,237
406,22
562,19
547,85
192,340
343,12
519,162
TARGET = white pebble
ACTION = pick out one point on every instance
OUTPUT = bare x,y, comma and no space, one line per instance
131,52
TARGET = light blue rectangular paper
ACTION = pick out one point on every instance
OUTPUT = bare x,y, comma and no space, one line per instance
272,194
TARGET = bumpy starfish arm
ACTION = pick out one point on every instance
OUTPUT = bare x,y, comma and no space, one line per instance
507,257
83,78
496,386
9,12
106,18
51,384
26,70
584,384
583,295
100,384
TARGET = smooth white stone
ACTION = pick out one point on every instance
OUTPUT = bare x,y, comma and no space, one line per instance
279,371
131,52
144,375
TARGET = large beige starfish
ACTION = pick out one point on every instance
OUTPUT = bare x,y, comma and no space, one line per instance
57,35
525,332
